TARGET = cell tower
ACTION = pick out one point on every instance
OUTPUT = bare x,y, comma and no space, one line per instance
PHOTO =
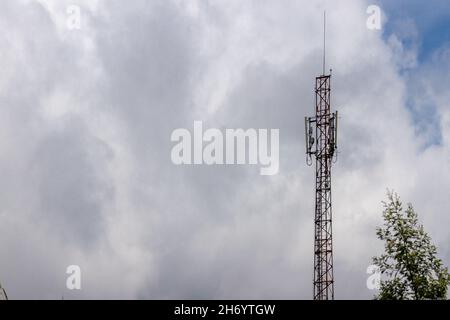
322,144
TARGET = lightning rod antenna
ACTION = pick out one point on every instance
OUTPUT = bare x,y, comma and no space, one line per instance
324,32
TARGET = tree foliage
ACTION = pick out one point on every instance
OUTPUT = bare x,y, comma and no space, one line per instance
409,265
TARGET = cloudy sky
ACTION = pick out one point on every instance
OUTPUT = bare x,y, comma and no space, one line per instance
86,116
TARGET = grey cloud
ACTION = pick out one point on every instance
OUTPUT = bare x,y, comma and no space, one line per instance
68,168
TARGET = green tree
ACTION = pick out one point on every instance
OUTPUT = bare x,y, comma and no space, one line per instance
410,267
